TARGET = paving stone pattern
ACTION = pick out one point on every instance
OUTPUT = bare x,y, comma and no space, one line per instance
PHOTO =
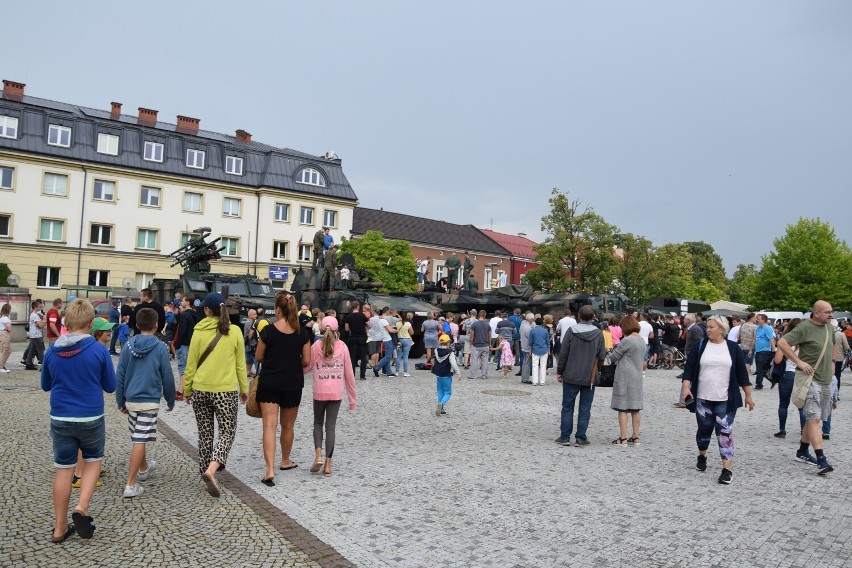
483,486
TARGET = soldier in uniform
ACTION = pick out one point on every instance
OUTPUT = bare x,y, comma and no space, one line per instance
468,271
452,264
330,265
472,285
319,240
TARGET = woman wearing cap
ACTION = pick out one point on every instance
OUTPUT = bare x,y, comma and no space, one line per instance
284,350
215,383
331,367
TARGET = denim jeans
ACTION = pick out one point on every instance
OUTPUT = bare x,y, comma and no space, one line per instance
181,354
68,437
404,348
785,391
444,386
384,363
569,395
762,361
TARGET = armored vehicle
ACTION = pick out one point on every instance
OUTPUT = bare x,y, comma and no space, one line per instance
244,292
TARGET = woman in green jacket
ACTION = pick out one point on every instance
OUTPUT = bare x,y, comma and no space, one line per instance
215,383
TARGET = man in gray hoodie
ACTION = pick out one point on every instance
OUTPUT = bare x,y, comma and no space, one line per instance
582,349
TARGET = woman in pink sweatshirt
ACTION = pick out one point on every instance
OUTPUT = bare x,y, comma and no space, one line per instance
331,367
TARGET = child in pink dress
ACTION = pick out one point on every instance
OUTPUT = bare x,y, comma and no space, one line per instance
507,359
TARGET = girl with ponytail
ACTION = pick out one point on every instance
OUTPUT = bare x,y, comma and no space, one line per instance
332,371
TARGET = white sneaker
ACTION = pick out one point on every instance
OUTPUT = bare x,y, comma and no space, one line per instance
133,490
143,475
4,370
406,375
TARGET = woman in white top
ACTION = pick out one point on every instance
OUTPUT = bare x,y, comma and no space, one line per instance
714,373
5,336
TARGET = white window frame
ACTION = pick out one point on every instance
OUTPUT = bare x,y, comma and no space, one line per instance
142,280
151,151
487,277
312,176
276,249
234,165
52,223
8,217
49,273
148,233
305,252
100,227
500,274
150,189
56,133
53,188
228,209
184,238
232,246
195,158
108,143
286,208
193,194
11,177
103,183
8,126
100,275
302,212
439,271
329,213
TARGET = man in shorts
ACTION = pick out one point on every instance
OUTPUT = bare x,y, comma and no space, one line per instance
815,339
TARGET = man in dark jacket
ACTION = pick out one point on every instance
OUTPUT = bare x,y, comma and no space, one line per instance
114,317
146,298
186,325
581,351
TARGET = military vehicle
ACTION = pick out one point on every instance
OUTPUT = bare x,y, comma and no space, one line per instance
306,289
244,292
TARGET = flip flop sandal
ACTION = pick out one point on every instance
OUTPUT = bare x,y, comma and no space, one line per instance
291,466
316,466
268,482
210,485
620,441
71,530
84,524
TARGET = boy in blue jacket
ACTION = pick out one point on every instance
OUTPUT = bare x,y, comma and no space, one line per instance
144,377
76,371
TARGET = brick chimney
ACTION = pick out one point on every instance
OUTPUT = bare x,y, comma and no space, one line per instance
115,113
147,117
13,90
243,136
187,124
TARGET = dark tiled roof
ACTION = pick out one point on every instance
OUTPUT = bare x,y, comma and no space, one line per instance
263,166
419,230
519,246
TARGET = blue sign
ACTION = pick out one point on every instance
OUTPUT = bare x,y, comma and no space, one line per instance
278,272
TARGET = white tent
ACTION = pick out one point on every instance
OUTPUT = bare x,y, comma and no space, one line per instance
726,305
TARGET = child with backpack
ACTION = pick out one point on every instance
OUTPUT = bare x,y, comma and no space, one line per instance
444,368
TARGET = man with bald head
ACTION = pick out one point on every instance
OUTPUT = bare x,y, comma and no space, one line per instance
815,340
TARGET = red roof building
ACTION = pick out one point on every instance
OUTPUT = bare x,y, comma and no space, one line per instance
521,249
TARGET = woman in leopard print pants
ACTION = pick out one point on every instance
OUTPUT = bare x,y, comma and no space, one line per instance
215,386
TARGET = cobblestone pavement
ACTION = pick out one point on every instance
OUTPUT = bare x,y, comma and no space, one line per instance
175,523
487,486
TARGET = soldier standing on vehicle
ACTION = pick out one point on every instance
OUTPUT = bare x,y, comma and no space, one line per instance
330,265
468,271
453,263
319,241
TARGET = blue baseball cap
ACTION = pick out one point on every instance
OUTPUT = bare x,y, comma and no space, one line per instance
213,300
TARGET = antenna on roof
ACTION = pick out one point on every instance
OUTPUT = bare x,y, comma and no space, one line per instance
330,155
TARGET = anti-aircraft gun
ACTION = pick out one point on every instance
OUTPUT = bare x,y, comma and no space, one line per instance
244,292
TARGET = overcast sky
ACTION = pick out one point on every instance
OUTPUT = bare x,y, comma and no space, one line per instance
714,121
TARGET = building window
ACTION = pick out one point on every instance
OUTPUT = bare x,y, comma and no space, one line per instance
279,250
98,277
51,230
108,144
439,272
184,238
153,151
487,284
143,279
6,175
59,136
195,159
149,196
8,127
234,165
192,202
311,176
307,216
48,277
104,190
231,246
231,207
146,239
5,225
100,235
282,212
501,278
55,184
304,253
329,218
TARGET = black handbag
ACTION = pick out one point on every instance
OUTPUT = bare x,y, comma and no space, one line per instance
606,376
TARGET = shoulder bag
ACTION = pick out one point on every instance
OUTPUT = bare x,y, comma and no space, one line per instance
802,382
208,351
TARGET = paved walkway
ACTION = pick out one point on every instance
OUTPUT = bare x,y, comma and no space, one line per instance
483,486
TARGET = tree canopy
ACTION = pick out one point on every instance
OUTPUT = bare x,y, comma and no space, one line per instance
387,260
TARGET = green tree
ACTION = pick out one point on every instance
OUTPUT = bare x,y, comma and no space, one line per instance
673,272
389,261
635,274
742,284
707,265
809,263
579,242
5,271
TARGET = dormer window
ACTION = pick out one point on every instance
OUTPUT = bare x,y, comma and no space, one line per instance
59,136
310,176
8,126
195,159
